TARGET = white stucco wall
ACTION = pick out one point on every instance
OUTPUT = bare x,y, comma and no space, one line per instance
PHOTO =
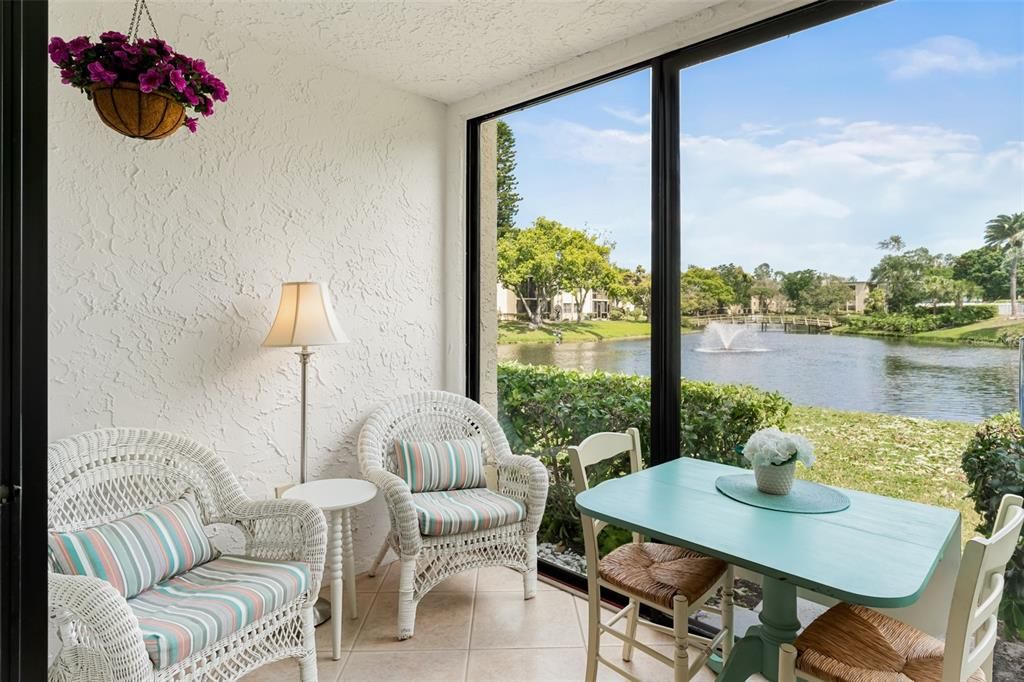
166,257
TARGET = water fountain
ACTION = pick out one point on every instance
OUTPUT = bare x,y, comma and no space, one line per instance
720,337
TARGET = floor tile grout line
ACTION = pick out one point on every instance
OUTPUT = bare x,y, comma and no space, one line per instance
472,620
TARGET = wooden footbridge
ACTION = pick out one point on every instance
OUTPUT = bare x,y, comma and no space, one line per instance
784,323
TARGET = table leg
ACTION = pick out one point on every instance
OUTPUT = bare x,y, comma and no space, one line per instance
349,571
758,650
337,540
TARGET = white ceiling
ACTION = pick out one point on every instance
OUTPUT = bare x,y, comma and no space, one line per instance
447,50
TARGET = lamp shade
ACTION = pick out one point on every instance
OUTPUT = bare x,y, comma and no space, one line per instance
305,317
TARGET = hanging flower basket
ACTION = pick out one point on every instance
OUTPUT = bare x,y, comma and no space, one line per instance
133,113
140,88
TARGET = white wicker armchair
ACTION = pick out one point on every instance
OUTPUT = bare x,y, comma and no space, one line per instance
100,476
427,560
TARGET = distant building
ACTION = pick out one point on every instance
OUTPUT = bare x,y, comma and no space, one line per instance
562,306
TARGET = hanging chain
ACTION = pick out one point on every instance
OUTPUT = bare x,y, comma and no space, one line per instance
133,27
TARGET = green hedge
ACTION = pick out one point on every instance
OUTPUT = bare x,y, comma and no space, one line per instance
545,409
994,464
920,320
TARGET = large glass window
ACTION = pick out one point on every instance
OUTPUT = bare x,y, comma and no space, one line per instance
845,254
565,248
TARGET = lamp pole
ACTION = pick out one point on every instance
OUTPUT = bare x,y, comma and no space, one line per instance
304,356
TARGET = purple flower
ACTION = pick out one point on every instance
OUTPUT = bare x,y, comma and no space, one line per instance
113,37
216,86
97,72
199,65
191,123
67,75
79,45
190,96
177,80
160,47
129,55
207,107
58,50
150,80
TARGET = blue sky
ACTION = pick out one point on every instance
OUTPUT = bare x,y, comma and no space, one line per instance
806,151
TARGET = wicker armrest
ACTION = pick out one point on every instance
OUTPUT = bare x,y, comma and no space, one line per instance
284,530
524,478
99,635
401,509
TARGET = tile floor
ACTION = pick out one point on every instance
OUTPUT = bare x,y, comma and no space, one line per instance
474,627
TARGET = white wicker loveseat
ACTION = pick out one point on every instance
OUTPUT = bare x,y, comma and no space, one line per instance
101,476
428,559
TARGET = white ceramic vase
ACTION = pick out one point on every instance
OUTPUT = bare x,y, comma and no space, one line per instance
775,480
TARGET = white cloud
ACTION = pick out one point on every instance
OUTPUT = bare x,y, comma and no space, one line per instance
759,130
828,121
629,115
821,200
950,54
799,202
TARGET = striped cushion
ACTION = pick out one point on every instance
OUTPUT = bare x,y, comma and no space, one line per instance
138,551
446,465
452,512
186,614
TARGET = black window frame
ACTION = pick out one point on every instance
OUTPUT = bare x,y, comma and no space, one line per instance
666,204
23,336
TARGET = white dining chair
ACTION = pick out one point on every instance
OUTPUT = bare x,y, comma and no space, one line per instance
673,580
857,644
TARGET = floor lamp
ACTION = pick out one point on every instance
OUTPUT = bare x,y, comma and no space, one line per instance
305,318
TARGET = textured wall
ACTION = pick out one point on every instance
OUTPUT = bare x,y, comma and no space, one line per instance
166,257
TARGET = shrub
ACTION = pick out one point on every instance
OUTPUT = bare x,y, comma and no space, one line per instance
545,409
616,314
920,320
994,464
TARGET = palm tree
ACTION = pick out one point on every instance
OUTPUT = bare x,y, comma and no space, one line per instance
1007,233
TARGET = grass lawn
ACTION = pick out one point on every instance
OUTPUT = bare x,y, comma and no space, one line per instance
986,331
912,459
590,330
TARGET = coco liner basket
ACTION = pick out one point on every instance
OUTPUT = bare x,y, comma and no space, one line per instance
131,112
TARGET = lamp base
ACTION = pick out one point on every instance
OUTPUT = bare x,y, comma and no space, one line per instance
321,611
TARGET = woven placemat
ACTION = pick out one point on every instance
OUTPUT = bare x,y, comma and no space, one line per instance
804,498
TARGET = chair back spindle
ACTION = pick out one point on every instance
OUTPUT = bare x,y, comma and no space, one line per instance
971,628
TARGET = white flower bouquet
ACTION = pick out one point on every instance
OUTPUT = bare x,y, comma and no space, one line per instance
774,454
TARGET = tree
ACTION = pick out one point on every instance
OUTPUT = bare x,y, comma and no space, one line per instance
942,289
1007,233
901,275
508,199
703,291
795,285
738,280
527,264
985,268
583,265
765,290
763,271
828,294
636,285
894,243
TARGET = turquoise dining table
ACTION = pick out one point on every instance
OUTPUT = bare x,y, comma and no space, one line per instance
879,552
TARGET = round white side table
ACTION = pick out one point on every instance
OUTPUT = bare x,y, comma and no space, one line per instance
336,497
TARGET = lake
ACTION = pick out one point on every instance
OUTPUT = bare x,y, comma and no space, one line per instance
867,374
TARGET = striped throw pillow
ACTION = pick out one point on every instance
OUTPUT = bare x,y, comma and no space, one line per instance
446,465
138,551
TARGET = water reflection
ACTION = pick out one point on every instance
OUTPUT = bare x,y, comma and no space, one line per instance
964,383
